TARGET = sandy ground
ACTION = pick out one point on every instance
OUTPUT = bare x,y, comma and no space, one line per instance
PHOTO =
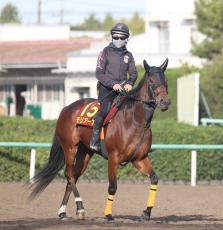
177,207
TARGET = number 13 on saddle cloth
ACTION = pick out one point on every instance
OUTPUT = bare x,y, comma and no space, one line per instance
86,116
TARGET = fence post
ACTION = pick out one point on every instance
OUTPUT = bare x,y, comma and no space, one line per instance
32,164
193,167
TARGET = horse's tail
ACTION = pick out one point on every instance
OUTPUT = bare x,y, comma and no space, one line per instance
55,163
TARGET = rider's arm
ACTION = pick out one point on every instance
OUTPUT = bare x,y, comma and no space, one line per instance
100,70
132,71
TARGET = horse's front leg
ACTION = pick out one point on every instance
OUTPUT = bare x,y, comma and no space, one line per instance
145,167
112,171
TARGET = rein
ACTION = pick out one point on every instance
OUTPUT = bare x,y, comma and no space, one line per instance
151,102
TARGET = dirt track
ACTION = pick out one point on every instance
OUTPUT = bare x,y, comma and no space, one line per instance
178,207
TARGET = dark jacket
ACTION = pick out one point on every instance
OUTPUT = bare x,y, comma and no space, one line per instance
113,65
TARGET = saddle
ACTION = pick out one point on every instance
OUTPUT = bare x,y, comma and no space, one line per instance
86,118
86,115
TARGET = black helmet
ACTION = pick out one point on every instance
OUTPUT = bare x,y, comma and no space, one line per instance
120,28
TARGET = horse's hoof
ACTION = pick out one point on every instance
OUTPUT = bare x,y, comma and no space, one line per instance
146,214
63,216
109,217
80,214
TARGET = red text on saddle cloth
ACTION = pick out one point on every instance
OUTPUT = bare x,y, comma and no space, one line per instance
86,116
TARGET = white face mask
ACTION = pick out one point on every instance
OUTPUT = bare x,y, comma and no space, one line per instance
119,43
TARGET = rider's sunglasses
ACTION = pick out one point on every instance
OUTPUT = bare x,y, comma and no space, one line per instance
117,38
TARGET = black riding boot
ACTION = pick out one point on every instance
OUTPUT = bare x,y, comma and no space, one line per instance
95,138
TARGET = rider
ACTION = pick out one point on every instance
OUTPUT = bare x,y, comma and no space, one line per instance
114,62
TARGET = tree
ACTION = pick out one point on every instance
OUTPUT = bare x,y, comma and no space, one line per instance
136,24
9,14
91,23
212,85
209,16
108,22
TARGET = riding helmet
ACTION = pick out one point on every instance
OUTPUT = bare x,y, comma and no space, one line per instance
120,28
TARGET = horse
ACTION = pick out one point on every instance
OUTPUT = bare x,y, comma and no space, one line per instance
128,139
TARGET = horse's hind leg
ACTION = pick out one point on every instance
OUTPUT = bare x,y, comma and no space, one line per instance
81,161
82,158
69,153
62,210
145,167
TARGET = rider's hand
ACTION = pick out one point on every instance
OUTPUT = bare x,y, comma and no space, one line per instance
127,87
117,87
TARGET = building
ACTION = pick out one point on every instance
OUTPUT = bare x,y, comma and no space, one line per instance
44,66
170,30
30,82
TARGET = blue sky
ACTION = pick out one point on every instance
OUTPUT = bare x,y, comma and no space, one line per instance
75,10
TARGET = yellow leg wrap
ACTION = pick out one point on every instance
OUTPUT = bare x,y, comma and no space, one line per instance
109,203
152,196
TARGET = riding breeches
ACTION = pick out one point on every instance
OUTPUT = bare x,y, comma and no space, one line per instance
105,104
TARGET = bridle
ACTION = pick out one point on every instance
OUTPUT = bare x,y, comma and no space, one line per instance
160,85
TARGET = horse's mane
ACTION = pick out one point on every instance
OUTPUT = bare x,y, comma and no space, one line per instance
138,87
129,101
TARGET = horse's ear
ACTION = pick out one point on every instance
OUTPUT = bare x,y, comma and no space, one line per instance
146,65
164,65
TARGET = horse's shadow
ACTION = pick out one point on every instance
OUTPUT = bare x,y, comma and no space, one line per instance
172,218
187,218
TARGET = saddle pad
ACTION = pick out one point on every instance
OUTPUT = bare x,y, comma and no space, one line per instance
87,113
86,116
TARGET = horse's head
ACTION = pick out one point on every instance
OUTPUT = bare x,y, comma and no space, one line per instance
157,84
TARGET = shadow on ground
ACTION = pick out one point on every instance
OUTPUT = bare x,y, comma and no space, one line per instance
121,221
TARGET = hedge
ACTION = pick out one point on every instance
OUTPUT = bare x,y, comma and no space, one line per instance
169,165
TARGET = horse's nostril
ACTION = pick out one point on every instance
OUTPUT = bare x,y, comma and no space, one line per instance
162,101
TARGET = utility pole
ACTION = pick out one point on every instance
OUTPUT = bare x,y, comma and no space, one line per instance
39,20
147,16
61,12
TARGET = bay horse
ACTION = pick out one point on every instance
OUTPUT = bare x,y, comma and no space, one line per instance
128,139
